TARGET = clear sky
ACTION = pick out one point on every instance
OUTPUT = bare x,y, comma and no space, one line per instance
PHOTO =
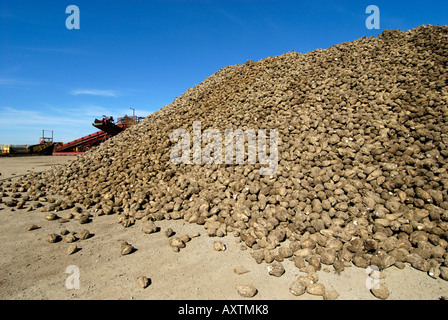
143,54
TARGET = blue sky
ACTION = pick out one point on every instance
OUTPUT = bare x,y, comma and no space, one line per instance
143,54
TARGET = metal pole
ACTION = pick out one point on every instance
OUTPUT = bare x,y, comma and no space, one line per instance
133,114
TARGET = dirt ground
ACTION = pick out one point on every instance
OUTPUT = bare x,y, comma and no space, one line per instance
32,268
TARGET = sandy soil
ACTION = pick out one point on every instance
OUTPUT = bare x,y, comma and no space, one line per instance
32,268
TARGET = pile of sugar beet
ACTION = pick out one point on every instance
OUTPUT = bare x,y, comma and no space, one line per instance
362,157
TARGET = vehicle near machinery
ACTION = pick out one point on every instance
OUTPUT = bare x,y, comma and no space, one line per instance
45,147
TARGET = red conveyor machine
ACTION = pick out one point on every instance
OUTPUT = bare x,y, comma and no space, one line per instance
107,129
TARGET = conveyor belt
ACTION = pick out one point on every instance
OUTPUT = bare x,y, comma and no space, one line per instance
83,143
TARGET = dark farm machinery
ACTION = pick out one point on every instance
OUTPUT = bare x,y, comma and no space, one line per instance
45,147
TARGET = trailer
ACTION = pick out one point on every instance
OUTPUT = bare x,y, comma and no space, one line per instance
45,148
